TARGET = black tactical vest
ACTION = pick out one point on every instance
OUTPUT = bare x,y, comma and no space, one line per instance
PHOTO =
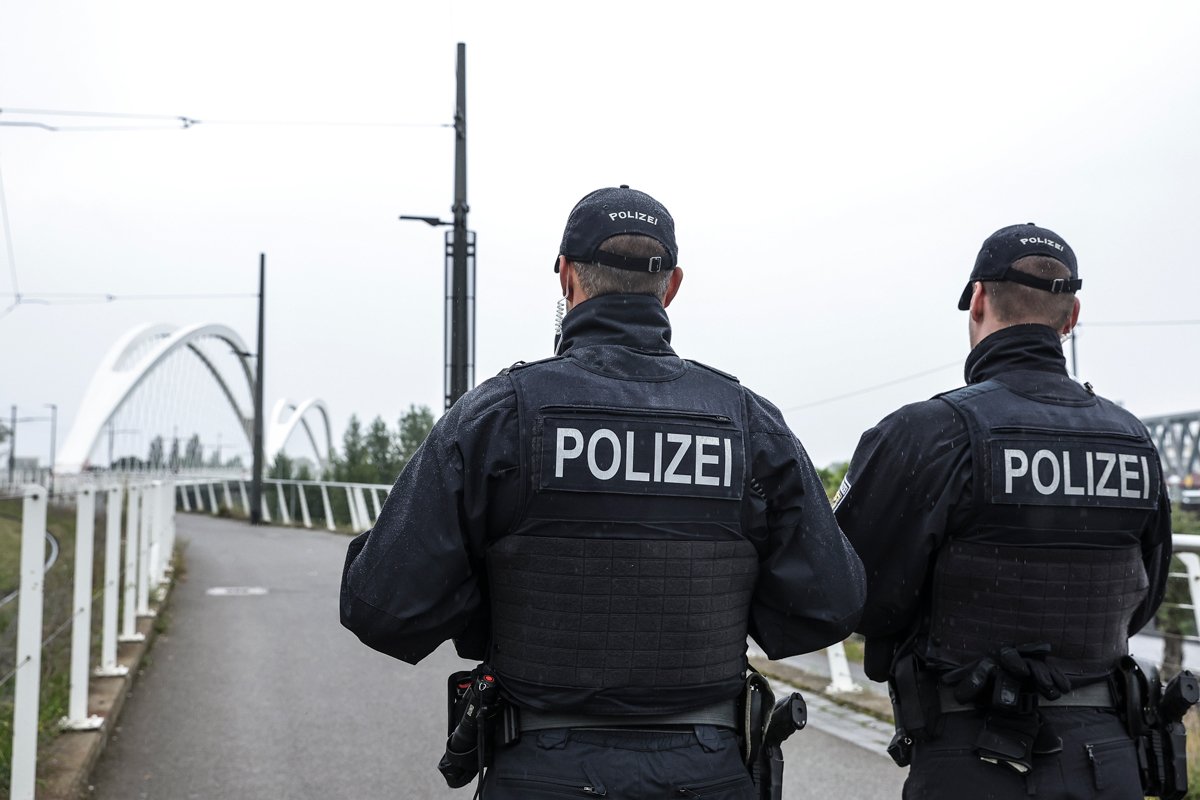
624,587
1063,484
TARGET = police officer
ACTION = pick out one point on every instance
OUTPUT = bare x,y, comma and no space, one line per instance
605,527
1015,532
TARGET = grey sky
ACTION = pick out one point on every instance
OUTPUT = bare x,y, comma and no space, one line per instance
832,170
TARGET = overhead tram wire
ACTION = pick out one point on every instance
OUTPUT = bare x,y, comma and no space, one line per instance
64,298
932,370
182,122
875,387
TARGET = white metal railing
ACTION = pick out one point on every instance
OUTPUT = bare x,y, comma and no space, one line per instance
364,501
149,541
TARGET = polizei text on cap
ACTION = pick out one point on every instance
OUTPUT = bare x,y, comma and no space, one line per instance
638,215
1042,240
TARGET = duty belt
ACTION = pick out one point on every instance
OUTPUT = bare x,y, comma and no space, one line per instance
721,714
1094,695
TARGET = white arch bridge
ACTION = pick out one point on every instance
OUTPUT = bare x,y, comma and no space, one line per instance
159,380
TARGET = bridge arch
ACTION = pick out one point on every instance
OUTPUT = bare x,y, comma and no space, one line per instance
284,418
139,353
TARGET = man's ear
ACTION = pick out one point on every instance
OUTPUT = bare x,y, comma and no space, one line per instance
1074,320
673,286
978,302
565,270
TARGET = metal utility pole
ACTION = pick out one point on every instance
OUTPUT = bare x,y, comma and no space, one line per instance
257,477
460,259
460,281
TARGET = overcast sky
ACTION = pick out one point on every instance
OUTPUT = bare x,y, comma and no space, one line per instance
832,170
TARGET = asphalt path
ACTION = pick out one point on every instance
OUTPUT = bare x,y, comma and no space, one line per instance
252,694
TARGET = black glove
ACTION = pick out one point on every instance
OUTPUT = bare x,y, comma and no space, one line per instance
1028,664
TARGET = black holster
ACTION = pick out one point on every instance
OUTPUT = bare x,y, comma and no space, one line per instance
763,726
1153,716
915,707
472,701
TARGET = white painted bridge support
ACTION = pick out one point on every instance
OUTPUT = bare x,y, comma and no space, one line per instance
245,499
77,718
227,495
109,668
212,499
29,645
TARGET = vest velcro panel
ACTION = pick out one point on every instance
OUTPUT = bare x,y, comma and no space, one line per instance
1079,601
597,614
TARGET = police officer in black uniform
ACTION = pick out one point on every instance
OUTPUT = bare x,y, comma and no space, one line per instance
605,527
1015,532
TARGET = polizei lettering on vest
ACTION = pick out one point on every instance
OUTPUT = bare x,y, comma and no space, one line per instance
1079,474
607,456
689,454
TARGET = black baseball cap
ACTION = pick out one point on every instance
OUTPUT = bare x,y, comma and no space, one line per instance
1002,248
611,212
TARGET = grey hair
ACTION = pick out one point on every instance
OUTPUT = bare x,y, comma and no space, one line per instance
598,279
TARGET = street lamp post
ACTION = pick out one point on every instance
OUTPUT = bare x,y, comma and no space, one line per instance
460,257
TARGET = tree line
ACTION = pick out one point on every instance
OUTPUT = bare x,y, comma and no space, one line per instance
375,454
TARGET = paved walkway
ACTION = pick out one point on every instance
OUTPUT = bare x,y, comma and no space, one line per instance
253,694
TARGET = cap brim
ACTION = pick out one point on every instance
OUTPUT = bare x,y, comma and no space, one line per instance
964,302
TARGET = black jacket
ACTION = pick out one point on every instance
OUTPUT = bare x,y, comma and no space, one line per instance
418,578
909,489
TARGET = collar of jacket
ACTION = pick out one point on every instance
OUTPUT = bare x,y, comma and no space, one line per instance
1017,347
638,321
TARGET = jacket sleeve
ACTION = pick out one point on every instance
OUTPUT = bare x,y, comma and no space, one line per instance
810,586
416,578
1156,555
908,478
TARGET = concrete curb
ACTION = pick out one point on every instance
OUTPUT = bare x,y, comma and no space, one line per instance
65,765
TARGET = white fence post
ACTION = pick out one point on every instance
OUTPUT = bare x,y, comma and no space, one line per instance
129,631
329,523
353,511
112,574
839,671
363,516
154,516
29,645
284,516
303,506
143,553
374,502
77,718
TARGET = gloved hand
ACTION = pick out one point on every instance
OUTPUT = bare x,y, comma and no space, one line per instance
1028,664
972,680
1024,663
